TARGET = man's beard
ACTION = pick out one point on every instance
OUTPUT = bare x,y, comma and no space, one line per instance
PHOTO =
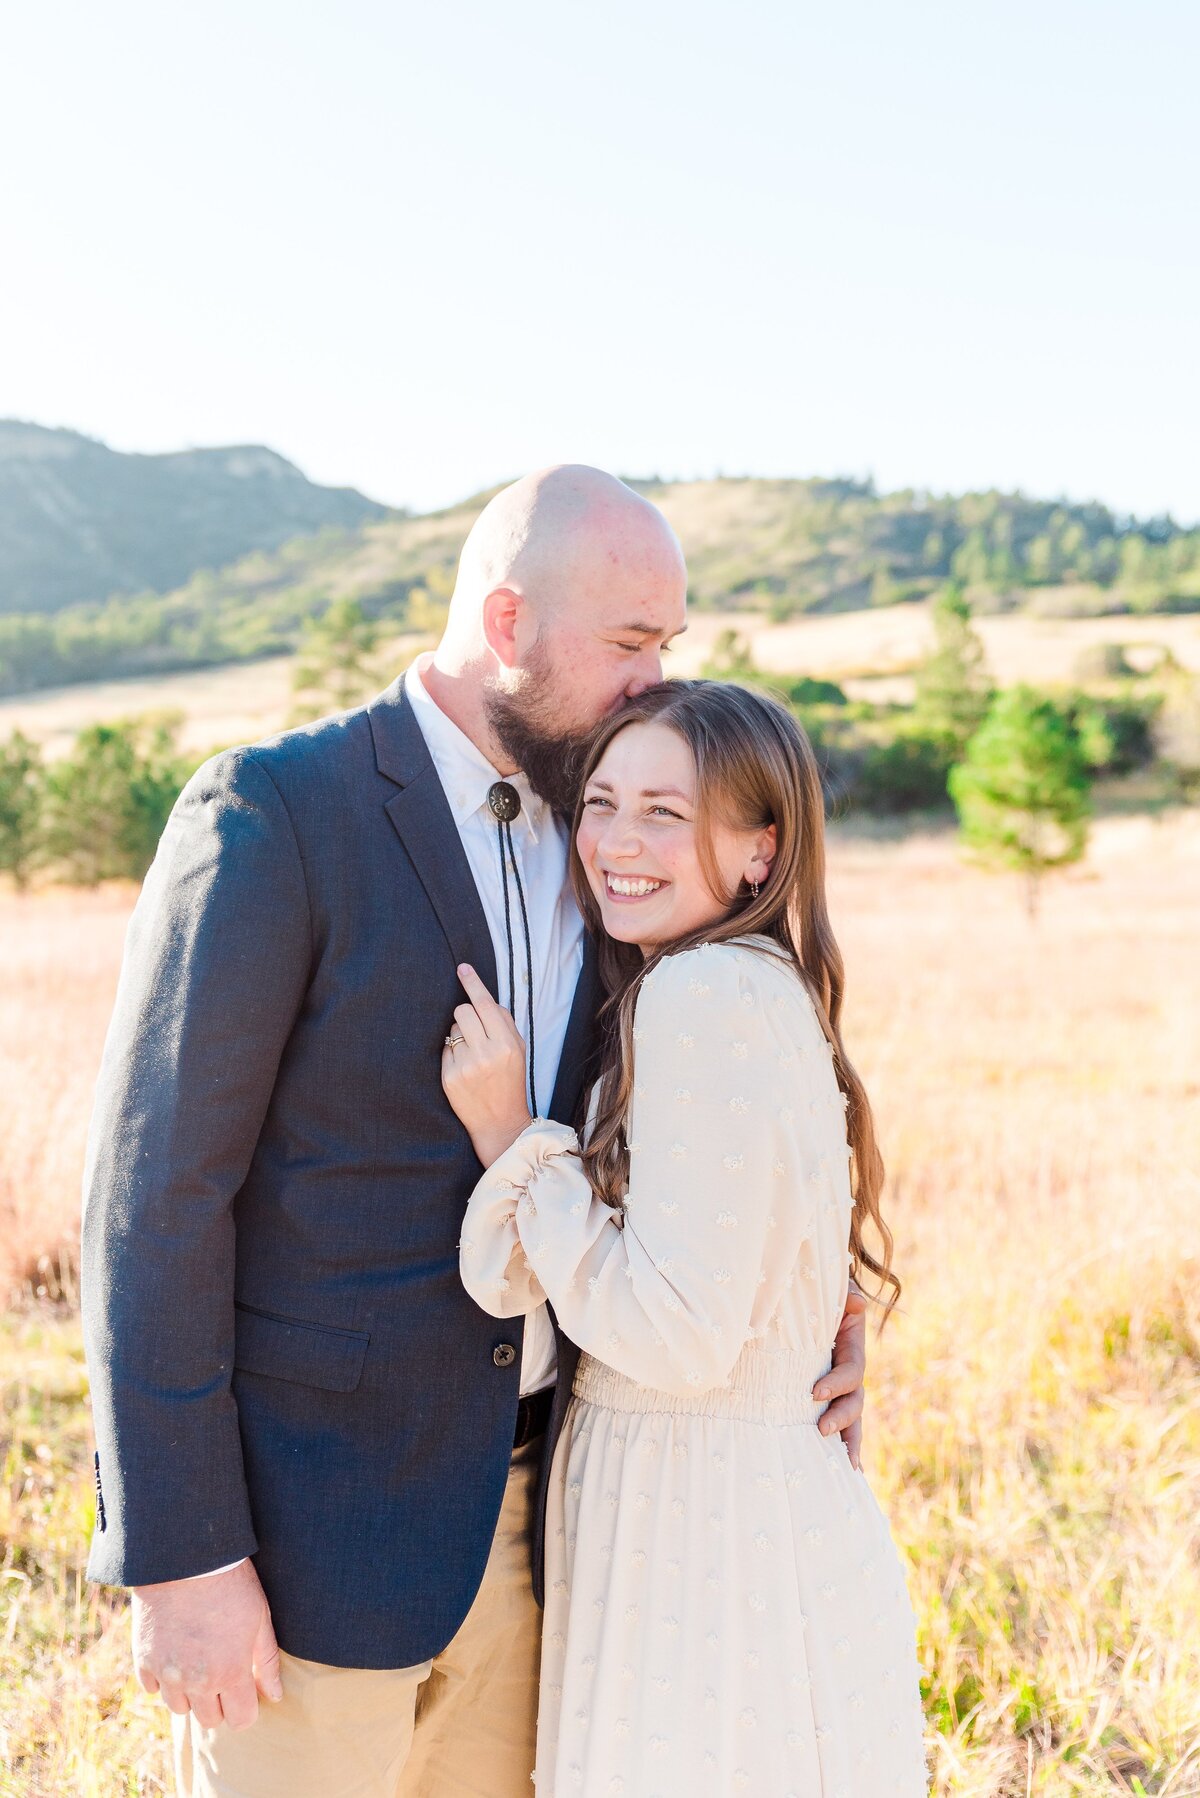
551,758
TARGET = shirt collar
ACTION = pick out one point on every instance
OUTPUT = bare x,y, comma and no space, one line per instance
463,769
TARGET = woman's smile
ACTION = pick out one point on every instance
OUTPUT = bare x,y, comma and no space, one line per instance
626,888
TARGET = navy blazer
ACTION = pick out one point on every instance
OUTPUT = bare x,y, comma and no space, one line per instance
284,1362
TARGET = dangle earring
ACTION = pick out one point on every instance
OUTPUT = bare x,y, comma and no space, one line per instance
754,888
504,803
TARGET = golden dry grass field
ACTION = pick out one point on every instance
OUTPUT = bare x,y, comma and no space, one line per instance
1034,1409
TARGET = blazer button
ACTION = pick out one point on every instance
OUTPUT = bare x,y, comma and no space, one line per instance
504,1354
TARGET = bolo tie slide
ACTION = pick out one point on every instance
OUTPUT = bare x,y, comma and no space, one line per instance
504,803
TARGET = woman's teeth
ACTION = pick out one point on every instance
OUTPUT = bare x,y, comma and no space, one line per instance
631,886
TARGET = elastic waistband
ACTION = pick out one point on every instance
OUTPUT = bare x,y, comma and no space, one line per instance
764,1387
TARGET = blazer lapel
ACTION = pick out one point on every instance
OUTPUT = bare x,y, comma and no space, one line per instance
421,816
580,1038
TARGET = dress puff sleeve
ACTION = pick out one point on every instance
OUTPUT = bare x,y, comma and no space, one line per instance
663,1290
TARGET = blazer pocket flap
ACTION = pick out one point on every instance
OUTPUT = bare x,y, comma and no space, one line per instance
284,1348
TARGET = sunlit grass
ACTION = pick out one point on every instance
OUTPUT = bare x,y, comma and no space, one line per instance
1034,1409
73,1721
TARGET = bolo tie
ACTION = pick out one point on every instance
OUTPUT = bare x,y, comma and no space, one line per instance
504,803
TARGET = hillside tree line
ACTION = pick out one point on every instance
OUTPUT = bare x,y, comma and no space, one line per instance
1017,763
789,548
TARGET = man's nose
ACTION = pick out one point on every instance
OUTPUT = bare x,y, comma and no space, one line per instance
649,674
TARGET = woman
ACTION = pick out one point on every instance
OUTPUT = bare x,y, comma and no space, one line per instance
725,1610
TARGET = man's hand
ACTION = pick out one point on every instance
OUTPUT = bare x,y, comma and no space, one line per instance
208,1646
844,1381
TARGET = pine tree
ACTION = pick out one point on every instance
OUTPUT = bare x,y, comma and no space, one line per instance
108,801
22,789
954,688
1022,792
334,670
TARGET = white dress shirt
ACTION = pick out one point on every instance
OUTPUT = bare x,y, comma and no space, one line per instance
540,843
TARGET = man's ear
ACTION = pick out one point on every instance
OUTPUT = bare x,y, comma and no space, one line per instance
501,616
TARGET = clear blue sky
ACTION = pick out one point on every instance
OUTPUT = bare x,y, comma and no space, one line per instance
421,248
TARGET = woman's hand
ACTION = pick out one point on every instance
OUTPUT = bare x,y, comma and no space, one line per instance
484,1073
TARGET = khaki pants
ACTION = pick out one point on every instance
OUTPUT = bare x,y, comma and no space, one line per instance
460,1726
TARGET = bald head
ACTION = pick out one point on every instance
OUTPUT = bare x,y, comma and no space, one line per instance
562,539
569,589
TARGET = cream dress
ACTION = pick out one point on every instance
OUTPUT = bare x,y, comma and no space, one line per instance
725,1610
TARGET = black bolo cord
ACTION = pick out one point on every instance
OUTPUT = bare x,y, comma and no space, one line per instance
501,827
533,1110
504,802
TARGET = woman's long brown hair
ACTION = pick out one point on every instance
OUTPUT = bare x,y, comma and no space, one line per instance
754,767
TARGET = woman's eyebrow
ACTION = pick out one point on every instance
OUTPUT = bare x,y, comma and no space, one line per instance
646,792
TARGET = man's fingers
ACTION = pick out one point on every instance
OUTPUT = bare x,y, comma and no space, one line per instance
207,1710
201,1636
265,1661
852,1331
850,1343
843,1377
842,1413
240,1704
843,1384
175,1698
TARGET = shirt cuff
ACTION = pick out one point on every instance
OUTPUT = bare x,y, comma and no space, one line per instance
212,1571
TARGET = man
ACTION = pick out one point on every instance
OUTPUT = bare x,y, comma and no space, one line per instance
309,1438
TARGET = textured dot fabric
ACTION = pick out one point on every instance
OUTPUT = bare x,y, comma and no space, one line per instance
725,1609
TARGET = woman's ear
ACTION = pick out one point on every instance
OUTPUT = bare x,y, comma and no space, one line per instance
764,855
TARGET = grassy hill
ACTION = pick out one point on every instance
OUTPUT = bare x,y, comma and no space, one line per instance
80,522
783,548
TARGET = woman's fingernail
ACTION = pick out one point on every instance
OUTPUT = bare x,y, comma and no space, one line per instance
821,1392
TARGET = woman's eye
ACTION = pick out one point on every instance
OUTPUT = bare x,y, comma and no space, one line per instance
665,810
595,799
